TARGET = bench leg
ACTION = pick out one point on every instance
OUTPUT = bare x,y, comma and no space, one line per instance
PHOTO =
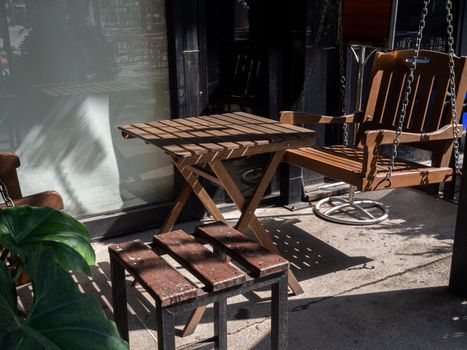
119,300
279,315
220,324
165,329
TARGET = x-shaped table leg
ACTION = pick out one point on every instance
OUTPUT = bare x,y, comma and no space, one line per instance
248,217
192,184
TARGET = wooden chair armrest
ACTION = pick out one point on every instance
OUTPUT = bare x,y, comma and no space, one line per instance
385,137
8,164
291,117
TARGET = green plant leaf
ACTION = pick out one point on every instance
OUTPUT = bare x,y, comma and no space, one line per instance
7,285
61,317
7,303
23,229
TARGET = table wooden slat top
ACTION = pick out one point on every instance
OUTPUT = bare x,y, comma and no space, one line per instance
221,136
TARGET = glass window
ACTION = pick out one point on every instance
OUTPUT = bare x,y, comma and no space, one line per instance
71,72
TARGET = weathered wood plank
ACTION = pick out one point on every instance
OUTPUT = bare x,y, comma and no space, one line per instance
160,279
260,261
201,139
208,268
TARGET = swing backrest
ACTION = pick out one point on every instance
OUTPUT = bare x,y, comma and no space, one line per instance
428,109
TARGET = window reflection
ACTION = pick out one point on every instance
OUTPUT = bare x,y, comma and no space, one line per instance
71,71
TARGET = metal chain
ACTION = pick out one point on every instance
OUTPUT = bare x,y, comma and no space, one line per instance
244,4
408,89
322,18
340,43
6,197
452,86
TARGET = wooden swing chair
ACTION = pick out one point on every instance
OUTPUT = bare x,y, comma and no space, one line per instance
10,189
415,98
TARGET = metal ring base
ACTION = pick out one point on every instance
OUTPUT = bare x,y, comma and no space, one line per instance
350,208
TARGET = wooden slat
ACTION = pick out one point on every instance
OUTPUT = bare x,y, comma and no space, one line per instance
329,158
437,106
374,90
421,106
415,177
207,127
197,140
244,152
234,135
393,100
204,172
410,106
380,104
189,132
350,158
158,140
180,139
345,164
251,120
256,118
225,118
209,269
199,120
242,118
189,123
175,123
250,132
260,261
243,135
278,129
161,280
222,138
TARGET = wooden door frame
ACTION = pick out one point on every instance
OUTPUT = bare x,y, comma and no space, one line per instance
186,36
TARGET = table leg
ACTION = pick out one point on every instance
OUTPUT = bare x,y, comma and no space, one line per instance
192,180
193,320
262,236
249,210
180,202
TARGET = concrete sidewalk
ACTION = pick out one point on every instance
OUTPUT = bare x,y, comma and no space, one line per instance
376,287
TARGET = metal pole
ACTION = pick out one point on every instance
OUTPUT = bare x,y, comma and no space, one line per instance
361,51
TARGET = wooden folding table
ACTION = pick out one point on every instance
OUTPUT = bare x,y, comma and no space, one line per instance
197,147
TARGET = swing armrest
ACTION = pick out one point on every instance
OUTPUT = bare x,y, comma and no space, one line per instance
295,118
386,137
8,164
8,161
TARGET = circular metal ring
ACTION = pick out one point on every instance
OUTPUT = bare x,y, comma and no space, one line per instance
358,205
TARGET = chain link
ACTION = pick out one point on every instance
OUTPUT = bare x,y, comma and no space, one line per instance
452,86
408,89
6,197
322,18
340,43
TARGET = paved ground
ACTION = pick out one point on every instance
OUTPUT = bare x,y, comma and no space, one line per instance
378,287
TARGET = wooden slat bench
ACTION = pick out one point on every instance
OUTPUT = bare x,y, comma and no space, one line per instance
173,292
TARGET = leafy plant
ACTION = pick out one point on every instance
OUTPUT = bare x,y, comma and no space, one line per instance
47,244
